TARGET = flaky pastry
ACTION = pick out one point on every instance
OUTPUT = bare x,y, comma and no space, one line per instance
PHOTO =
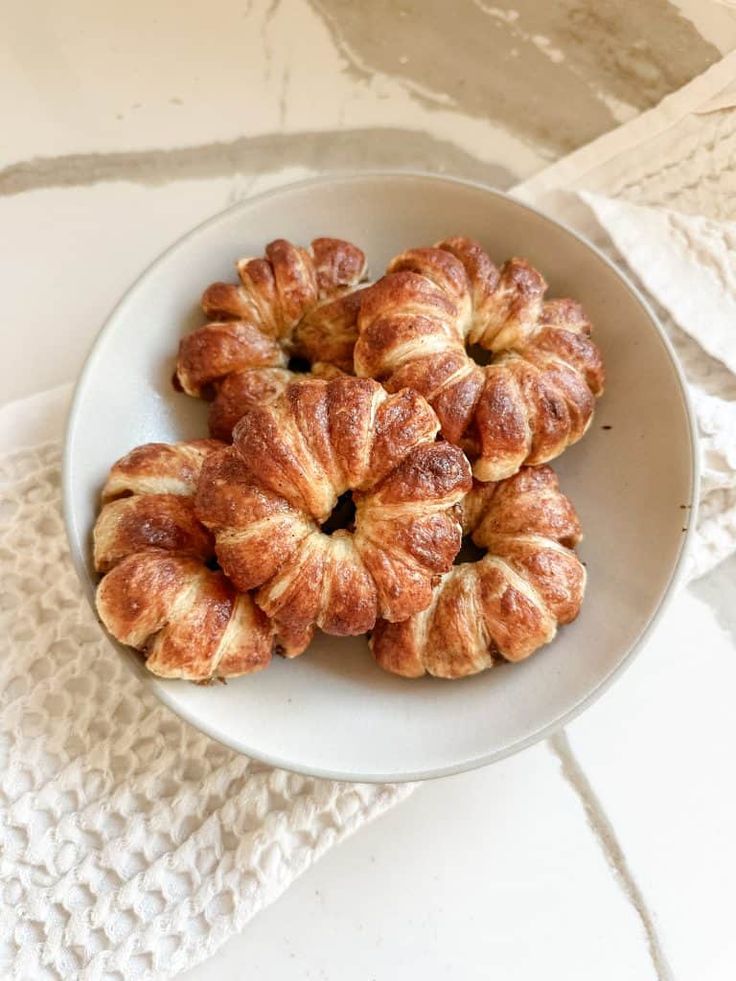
268,497
291,303
157,593
508,603
537,395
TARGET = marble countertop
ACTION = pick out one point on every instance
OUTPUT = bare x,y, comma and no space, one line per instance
607,852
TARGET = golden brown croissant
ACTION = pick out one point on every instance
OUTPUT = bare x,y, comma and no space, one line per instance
242,391
538,394
268,499
293,302
507,604
157,594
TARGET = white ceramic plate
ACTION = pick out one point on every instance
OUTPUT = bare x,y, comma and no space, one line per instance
332,712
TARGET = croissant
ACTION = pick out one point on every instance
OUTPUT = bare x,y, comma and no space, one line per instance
269,499
293,303
157,593
242,391
511,601
536,396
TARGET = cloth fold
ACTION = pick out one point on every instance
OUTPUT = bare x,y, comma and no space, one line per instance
686,265
133,846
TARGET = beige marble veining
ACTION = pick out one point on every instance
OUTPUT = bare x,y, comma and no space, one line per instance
487,89
557,73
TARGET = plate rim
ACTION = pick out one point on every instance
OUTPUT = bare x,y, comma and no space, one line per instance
77,552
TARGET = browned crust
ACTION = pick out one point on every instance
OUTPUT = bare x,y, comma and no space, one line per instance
529,503
338,265
538,395
439,266
153,521
291,301
328,332
157,594
510,602
241,391
159,468
401,422
188,621
266,496
209,354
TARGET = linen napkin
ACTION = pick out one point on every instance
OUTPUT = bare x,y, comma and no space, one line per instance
132,846
658,196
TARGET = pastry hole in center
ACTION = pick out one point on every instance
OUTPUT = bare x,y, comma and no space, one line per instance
469,552
342,516
479,354
299,365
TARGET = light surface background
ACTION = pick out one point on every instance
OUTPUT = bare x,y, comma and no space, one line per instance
124,125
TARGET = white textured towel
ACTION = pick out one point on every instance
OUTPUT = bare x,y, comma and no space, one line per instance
131,846
659,197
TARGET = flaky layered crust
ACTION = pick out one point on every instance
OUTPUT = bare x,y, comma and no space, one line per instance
242,391
510,602
266,497
157,593
538,394
293,301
